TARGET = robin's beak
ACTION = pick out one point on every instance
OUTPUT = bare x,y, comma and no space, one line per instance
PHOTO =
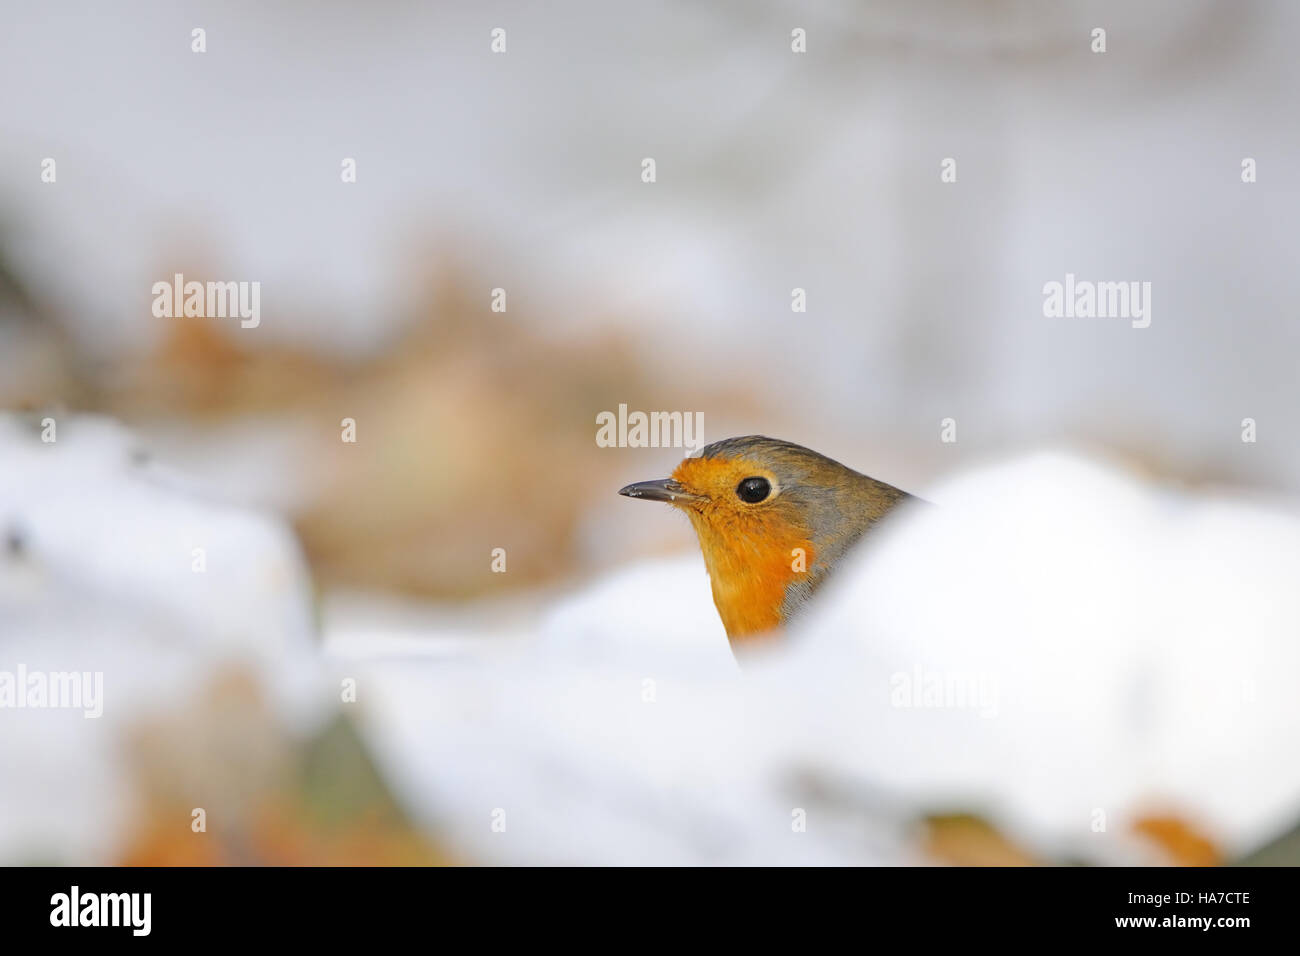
664,489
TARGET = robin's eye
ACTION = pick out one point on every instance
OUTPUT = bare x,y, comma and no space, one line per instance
753,490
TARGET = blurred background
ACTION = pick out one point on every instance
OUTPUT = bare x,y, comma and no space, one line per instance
521,170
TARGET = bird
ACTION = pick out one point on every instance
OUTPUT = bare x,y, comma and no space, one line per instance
773,519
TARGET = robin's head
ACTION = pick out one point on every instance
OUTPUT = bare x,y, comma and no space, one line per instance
773,518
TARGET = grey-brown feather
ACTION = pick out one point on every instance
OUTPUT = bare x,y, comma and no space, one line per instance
838,505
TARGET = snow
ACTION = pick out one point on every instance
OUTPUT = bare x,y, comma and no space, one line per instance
1125,649
1139,641
97,576
1055,644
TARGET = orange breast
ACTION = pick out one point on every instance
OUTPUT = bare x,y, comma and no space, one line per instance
750,570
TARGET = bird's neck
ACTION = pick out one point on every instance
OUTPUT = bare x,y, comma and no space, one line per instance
751,576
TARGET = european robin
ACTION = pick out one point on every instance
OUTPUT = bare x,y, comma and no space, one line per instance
773,519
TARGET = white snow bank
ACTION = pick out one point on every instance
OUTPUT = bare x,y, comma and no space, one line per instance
97,559
1055,645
